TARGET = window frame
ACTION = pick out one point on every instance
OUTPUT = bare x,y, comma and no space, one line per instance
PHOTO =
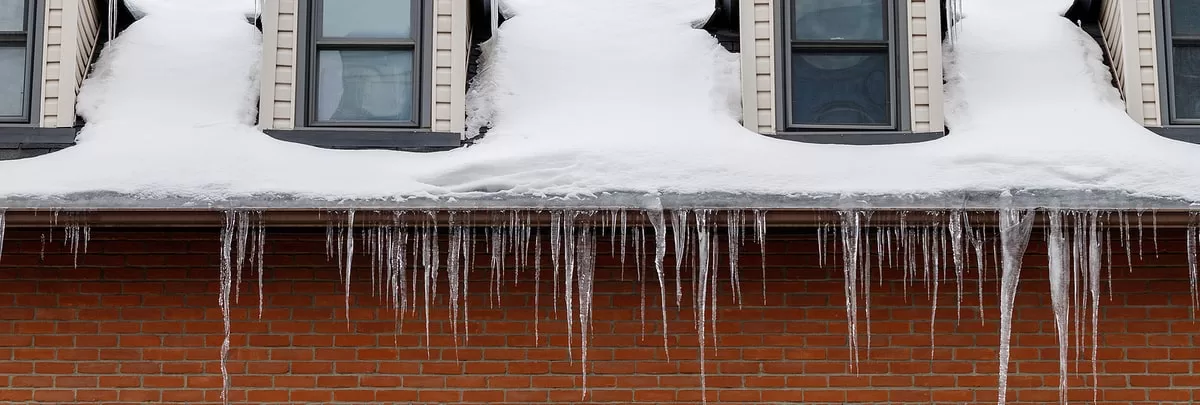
895,26
1166,42
311,43
28,35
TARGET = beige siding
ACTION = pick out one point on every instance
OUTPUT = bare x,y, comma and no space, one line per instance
52,63
925,66
448,62
1111,19
924,72
1147,62
70,38
277,109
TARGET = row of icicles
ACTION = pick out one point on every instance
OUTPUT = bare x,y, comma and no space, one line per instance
411,253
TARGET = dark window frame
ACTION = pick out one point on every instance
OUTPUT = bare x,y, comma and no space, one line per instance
27,38
895,26
311,43
1167,41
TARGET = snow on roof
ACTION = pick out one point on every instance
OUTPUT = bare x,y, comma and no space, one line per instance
612,97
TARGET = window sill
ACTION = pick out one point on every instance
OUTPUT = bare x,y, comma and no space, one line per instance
859,138
19,142
413,140
1190,134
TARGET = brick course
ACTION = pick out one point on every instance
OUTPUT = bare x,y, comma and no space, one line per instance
138,321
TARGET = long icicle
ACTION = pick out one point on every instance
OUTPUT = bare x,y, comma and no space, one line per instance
658,221
1015,227
226,279
1059,280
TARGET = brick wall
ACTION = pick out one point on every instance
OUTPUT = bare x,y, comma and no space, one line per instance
138,321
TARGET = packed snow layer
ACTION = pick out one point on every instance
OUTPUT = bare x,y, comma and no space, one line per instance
248,8
586,98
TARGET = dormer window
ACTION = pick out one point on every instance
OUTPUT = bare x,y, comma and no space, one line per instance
1183,61
840,65
16,66
365,64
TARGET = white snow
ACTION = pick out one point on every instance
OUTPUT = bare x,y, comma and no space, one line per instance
141,8
586,97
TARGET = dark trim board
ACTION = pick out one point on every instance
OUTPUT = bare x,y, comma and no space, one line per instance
36,137
859,138
1185,134
407,140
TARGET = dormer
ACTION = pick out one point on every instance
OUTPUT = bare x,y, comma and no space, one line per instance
387,74
45,50
1155,51
851,72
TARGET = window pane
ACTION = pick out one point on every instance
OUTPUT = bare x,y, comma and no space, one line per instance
12,15
850,20
1185,17
367,18
1187,82
365,86
12,81
840,89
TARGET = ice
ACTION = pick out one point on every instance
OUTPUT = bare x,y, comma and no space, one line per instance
1094,289
3,225
537,287
569,273
348,238
659,223
1059,281
679,228
760,236
851,229
956,244
1015,227
733,239
226,280
704,248
586,261
1193,239
453,260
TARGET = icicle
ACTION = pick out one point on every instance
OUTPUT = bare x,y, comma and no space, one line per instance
1015,227
1094,287
1193,239
556,219
638,244
624,230
1059,280
453,259
850,233
537,286
704,246
226,280
1141,236
1154,228
733,232
659,223
760,236
260,231
3,214
680,228
585,259
243,240
569,268
349,238
956,244
1125,235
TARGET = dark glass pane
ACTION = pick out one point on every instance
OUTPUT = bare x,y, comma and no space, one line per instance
12,82
367,19
840,89
849,20
1186,82
1185,17
365,86
12,15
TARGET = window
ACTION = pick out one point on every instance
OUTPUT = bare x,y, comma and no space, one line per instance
364,63
839,66
1183,61
16,64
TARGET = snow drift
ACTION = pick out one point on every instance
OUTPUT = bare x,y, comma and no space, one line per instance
593,97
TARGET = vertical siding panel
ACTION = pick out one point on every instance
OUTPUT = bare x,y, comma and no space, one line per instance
918,65
1110,27
277,108
1148,67
52,60
443,64
460,49
764,64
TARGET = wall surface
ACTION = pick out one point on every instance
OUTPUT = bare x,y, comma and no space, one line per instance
137,321
69,38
